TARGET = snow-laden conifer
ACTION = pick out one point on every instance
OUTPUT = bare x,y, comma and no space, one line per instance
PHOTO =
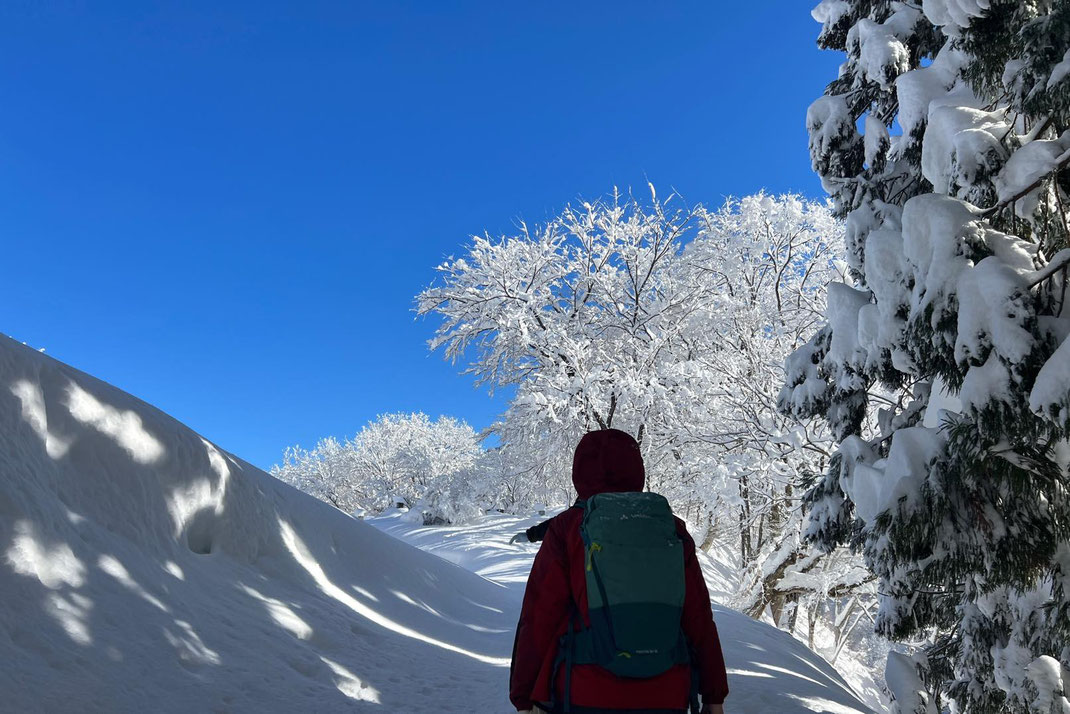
944,144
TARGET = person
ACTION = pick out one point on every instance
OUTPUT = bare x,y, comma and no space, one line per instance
606,461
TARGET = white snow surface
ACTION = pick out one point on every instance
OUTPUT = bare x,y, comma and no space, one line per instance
1051,392
878,486
844,303
954,12
1027,165
142,568
882,55
918,88
961,141
992,309
906,685
1060,71
1051,680
830,11
876,138
942,404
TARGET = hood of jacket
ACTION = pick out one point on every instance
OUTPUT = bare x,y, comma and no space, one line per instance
607,461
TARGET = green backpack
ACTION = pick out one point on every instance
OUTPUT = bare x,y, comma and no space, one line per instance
634,567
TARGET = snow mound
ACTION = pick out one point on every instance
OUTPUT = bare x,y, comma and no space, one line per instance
142,568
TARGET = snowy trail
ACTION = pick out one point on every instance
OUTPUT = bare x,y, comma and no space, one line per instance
769,671
142,568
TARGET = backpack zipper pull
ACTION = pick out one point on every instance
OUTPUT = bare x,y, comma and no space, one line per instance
590,553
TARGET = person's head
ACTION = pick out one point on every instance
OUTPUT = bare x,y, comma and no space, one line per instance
607,461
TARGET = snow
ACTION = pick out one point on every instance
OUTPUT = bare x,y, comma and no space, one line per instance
954,12
1036,159
142,568
882,56
804,385
984,383
917,88
829,123
992,308
876,138
877,486
933,226
1060,71
961,142
942,403
940,234
1051,391
844,303
886,278
830,11
904,682
1052,682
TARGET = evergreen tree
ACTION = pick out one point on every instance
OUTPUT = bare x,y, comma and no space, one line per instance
944,144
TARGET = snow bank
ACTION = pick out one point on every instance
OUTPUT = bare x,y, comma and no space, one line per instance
142,568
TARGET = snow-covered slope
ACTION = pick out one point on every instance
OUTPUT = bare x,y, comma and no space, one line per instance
142,568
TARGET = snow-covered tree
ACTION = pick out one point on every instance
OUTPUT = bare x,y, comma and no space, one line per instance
434,467
582,315
416,460
329,472
768,260
955,195
673,325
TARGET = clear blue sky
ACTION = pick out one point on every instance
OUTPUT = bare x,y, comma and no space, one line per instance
227,208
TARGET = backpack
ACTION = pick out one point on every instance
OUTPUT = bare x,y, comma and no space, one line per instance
634,573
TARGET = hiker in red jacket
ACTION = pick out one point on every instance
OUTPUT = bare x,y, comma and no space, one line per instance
606,461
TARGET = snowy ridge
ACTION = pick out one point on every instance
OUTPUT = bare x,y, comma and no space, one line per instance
142,568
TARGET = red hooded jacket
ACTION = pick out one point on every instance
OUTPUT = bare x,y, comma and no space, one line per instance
605,461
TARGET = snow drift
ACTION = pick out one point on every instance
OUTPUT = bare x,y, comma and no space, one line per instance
142,568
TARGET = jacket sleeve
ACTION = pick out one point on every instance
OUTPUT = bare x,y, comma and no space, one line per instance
546,606
536,533
700,629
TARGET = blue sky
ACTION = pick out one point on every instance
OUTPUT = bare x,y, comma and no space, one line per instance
227,208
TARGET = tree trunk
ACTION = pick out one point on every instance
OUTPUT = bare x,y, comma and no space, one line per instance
793,617
811,621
